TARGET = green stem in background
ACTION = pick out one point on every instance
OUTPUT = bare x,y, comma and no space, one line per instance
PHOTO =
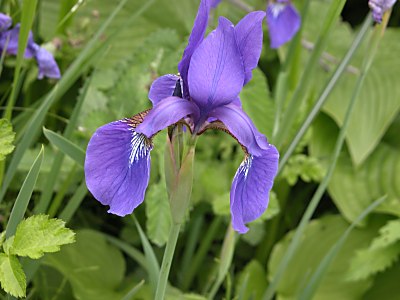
326,91
167,261
302,88
371,51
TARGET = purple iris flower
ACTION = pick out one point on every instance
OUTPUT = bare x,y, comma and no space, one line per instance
379,7
283,21
214,3
205,96
9,38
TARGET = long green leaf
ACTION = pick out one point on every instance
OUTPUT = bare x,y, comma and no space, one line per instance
24,196
28,14
66,146
323,266
78,67
74,202
151,260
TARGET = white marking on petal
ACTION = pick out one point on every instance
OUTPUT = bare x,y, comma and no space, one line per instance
139,147
246,165
277,8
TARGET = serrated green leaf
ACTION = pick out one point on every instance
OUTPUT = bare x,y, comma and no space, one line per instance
302,166
158,214
39,234
12,277
368,262
6,138
388,235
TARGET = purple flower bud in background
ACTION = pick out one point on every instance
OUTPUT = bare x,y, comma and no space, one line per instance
283,22
9,38
214,3
213,71
5,22
379,7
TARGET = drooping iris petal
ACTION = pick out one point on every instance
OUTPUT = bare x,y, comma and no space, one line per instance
283,22
165,113
379,7
117,166
216,72
11,38
47,64
251,187
5,22
196,37
242,128
162,88
249,36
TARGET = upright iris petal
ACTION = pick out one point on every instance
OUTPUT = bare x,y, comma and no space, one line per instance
283,22
117,166
379,7
216,72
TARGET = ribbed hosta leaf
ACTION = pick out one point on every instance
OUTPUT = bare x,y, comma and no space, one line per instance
353,189
320,235
378,103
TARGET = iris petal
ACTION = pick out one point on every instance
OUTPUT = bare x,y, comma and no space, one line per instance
117,166
196,37
249,37
251,187
5,22
216,72
47,64
241,127
12,36
162,88
283,22
165,113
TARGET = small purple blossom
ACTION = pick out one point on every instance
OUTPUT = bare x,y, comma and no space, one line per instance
283,21
379,7
205,96
214,3
9,38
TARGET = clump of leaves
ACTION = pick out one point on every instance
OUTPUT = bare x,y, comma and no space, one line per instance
34,237
6,138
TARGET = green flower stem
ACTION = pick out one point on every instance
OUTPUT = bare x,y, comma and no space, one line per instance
371,51
167,261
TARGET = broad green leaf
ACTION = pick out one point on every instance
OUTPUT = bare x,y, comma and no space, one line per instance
51,285
368,262
158,214
351,188
258,104
6,138
256,279
388,235
378,104
93,267
12,277
320,235
38,234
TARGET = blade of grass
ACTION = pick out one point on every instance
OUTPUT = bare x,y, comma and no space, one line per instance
299,94
135,254
24,196
78,67
27,16
66,146
368,59
327,90
51,179
318,275
74,202
133,291
151,259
